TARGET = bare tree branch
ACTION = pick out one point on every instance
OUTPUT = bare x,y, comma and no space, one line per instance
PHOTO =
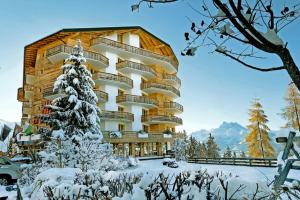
250,66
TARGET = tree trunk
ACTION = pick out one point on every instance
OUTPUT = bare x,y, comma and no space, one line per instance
290,66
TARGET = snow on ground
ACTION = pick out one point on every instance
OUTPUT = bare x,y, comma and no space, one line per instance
253,174
250,175
11,195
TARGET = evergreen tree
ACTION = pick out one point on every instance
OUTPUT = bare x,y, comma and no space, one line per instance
234,154
243,155
192,147
76,114
180,149
202,150
258,139
212,147
227,153
75,111
292,110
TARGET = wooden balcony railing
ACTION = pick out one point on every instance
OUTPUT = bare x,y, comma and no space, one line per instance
20,95
67,49
102,96
116,115
49,92
136,99
161,118
173,105
136,66
160,86
172,77
135,50
113,77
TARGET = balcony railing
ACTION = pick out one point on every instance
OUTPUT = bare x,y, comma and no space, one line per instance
136,99
102,96
116,115
173,78
133,136
113,77
135,66
67,49
160,86
161,118
49,92
173,105
21,96
135,50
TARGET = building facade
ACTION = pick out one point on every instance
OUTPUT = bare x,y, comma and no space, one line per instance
136,83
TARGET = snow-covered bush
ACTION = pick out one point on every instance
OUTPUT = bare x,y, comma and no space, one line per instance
196,185
72,183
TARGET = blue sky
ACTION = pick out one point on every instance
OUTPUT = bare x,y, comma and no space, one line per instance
214,88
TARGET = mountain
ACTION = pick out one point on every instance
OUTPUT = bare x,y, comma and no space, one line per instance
233,135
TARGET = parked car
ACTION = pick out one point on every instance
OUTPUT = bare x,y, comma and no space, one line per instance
170,162
9,171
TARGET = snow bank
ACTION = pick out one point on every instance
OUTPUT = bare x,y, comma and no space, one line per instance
61,179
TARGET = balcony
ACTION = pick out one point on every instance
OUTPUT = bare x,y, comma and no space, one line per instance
144,101
161,119
172,80
117,80
102,96
127,51
28,91
49,94
153,87
117,116
173,107
21,96
133,67
61,52
27,108
132,137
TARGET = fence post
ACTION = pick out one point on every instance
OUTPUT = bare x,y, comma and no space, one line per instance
250,161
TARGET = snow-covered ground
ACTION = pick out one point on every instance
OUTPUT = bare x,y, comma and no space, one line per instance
251,175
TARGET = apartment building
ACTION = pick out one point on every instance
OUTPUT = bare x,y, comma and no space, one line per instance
136,83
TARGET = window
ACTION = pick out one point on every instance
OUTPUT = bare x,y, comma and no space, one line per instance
145,112
120,109
4,161
121,127
145,128
120,92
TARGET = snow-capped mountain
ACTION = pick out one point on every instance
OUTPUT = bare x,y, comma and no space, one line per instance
233,135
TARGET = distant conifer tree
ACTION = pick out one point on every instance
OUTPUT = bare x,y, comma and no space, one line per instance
258,140
292,110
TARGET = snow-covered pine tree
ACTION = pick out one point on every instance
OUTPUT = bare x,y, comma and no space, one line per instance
227,153
242,154
192,147
292,110
202,150
75,111
212,147
180,149
258,140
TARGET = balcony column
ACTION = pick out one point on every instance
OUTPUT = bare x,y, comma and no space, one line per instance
132,149
142,153
159,149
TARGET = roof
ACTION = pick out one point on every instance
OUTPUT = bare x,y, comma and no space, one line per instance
30,50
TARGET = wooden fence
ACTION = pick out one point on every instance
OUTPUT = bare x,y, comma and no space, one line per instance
252,162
